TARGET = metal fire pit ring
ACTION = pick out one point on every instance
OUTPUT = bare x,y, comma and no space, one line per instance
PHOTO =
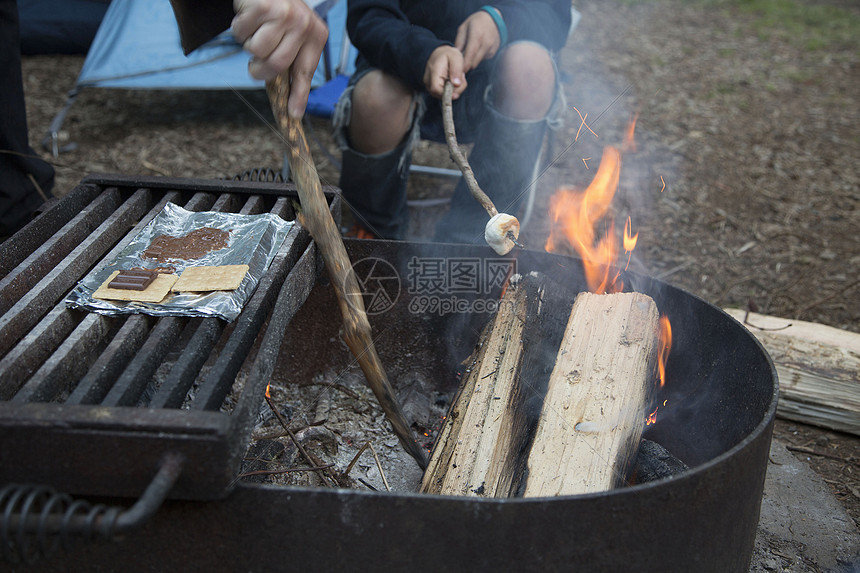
722,391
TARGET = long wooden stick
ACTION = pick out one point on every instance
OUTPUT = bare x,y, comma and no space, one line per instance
319,222
457,154
460,158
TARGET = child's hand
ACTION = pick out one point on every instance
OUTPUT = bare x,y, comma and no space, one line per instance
445,63
478,39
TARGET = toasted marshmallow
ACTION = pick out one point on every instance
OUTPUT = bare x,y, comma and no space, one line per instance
496,232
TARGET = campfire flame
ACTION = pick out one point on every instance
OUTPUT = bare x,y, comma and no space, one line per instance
665,342
652,417
574,215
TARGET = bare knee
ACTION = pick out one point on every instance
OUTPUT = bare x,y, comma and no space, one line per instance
525,82
382,109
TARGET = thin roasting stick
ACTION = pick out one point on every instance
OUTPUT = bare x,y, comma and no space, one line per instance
319,222
461,161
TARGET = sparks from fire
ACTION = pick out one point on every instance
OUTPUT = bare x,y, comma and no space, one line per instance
574,216
582,124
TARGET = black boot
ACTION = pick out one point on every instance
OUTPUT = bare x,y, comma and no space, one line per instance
503,160
374,187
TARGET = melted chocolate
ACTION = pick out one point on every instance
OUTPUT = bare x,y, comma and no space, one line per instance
191,246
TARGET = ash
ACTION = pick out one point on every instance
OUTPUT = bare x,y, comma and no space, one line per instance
333,417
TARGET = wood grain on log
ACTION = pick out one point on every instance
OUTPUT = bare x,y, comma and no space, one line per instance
483,445
818,368
595,407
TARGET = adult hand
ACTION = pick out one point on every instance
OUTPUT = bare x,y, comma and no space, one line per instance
444,63
478,39
281,35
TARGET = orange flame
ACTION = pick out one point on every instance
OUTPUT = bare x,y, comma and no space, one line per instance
268,394
665,342
629,241
652,417
574,215
629,144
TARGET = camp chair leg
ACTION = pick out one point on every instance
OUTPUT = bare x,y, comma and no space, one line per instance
51,141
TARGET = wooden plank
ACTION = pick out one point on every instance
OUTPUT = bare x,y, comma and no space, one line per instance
818,368
594,412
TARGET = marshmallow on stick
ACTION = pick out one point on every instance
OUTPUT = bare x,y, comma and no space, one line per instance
502,230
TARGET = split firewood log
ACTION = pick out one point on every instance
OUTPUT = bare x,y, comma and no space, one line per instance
596,404
481,448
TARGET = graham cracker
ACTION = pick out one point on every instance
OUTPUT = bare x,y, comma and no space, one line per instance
155,292
203,278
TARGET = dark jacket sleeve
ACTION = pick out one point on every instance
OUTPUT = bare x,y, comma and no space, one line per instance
383,34
201,20
398,36
546,22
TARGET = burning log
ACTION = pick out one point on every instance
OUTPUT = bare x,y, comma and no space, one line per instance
591,377
595,407
481,448
655,462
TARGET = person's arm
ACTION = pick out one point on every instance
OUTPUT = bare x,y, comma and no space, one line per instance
201,20
280,35
382,33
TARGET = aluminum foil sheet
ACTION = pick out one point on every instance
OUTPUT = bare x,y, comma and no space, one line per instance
253,240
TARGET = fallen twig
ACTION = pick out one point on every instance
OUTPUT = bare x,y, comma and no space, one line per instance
368,445
314,461
285,471
810,451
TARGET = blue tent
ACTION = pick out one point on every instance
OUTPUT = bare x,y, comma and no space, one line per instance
137,46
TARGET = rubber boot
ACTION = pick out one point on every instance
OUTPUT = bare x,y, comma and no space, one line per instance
503,160
374,187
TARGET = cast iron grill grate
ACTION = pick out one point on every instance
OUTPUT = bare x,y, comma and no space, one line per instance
90,404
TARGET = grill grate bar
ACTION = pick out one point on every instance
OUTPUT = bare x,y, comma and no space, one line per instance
19,246
217,383
37,265
253,206
30,308
68,362
109,366
173,390
49,333
130,385
225,203
35,348
201,201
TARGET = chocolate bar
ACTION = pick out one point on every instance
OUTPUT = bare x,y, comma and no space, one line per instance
136,279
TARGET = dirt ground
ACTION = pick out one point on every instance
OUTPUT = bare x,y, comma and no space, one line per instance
744,187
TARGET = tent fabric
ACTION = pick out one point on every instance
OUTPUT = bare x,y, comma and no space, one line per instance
137,46
59,26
